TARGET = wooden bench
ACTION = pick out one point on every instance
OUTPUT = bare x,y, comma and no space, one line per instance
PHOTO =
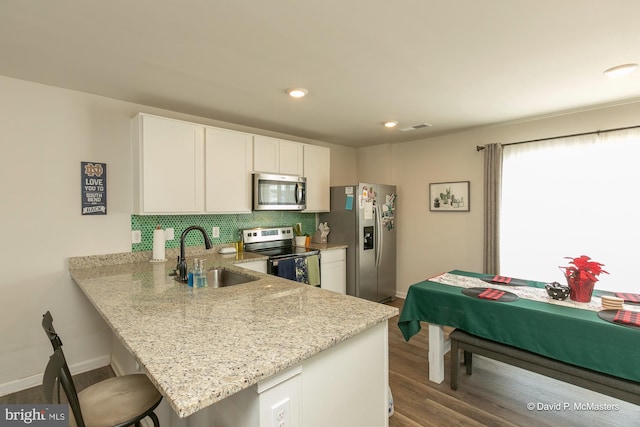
592,380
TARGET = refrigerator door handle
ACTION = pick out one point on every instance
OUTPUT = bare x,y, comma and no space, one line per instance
378,235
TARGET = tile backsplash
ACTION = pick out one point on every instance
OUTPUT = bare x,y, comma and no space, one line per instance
230,226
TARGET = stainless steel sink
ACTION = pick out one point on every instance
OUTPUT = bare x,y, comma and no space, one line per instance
221,277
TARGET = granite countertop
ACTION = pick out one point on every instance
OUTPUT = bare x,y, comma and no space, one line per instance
199,346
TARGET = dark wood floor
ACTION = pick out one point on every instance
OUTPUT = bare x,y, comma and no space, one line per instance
34,395
495,395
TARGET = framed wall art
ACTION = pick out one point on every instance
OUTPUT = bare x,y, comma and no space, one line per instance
449,196
93,182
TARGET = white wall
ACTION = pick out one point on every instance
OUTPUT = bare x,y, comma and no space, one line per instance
430,243
434,242
344,165
375,164
45,133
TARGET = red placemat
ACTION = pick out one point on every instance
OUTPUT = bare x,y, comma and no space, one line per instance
627,317
490,294
610,316
504,280
634,298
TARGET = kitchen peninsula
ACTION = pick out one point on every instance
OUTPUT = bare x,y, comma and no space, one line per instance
244,354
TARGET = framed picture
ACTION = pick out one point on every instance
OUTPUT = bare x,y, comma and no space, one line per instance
93,182
449,196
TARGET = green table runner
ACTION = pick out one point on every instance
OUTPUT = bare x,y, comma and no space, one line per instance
567,334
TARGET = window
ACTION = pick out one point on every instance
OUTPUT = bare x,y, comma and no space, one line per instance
570,197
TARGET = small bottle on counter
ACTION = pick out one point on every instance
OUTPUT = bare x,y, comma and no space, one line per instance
202,276
191,276
239,243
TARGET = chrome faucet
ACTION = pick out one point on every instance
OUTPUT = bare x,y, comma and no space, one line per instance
181,268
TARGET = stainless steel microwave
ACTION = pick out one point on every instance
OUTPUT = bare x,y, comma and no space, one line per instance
277,192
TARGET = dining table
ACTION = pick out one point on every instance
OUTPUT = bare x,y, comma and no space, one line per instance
568,331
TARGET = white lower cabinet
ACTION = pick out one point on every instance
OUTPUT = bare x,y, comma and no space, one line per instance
259,266
333,270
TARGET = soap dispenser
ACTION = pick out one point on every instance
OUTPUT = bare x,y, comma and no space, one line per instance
192,277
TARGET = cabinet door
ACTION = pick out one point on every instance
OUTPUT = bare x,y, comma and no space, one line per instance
259,266
168,166
333,271
291,155
266,154
277,155
228,162
317,169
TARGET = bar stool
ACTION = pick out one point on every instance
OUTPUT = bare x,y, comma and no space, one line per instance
115,402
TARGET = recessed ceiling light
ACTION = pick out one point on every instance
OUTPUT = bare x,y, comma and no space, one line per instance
391,124
297,92
620,70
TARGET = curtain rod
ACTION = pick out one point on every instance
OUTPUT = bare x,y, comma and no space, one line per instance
481,147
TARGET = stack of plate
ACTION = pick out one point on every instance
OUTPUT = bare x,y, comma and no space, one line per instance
612,303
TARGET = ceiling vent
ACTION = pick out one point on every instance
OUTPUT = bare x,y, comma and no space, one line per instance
414,127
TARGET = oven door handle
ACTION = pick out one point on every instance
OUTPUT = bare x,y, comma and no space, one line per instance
274,261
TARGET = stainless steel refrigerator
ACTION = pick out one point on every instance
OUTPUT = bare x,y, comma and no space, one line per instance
363,217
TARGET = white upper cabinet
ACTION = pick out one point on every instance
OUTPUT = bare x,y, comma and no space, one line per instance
168,166
317,170
277,156
188,168
266,154
228,165
291,155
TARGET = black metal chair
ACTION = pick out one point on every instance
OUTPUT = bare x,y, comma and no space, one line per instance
115,402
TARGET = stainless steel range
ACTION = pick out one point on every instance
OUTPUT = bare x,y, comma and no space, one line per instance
276,243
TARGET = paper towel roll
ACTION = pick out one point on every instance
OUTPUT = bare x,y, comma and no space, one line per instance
159,239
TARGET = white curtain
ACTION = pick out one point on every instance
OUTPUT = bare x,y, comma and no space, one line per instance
570,197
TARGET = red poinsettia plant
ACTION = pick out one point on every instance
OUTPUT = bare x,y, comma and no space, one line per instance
583,269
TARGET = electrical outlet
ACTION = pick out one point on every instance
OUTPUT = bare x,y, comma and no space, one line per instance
280,414
215,232
136,236
169,234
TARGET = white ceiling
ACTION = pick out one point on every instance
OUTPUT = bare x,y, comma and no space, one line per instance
453,64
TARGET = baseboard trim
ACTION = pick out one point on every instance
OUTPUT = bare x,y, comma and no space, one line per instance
402,295
36,380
